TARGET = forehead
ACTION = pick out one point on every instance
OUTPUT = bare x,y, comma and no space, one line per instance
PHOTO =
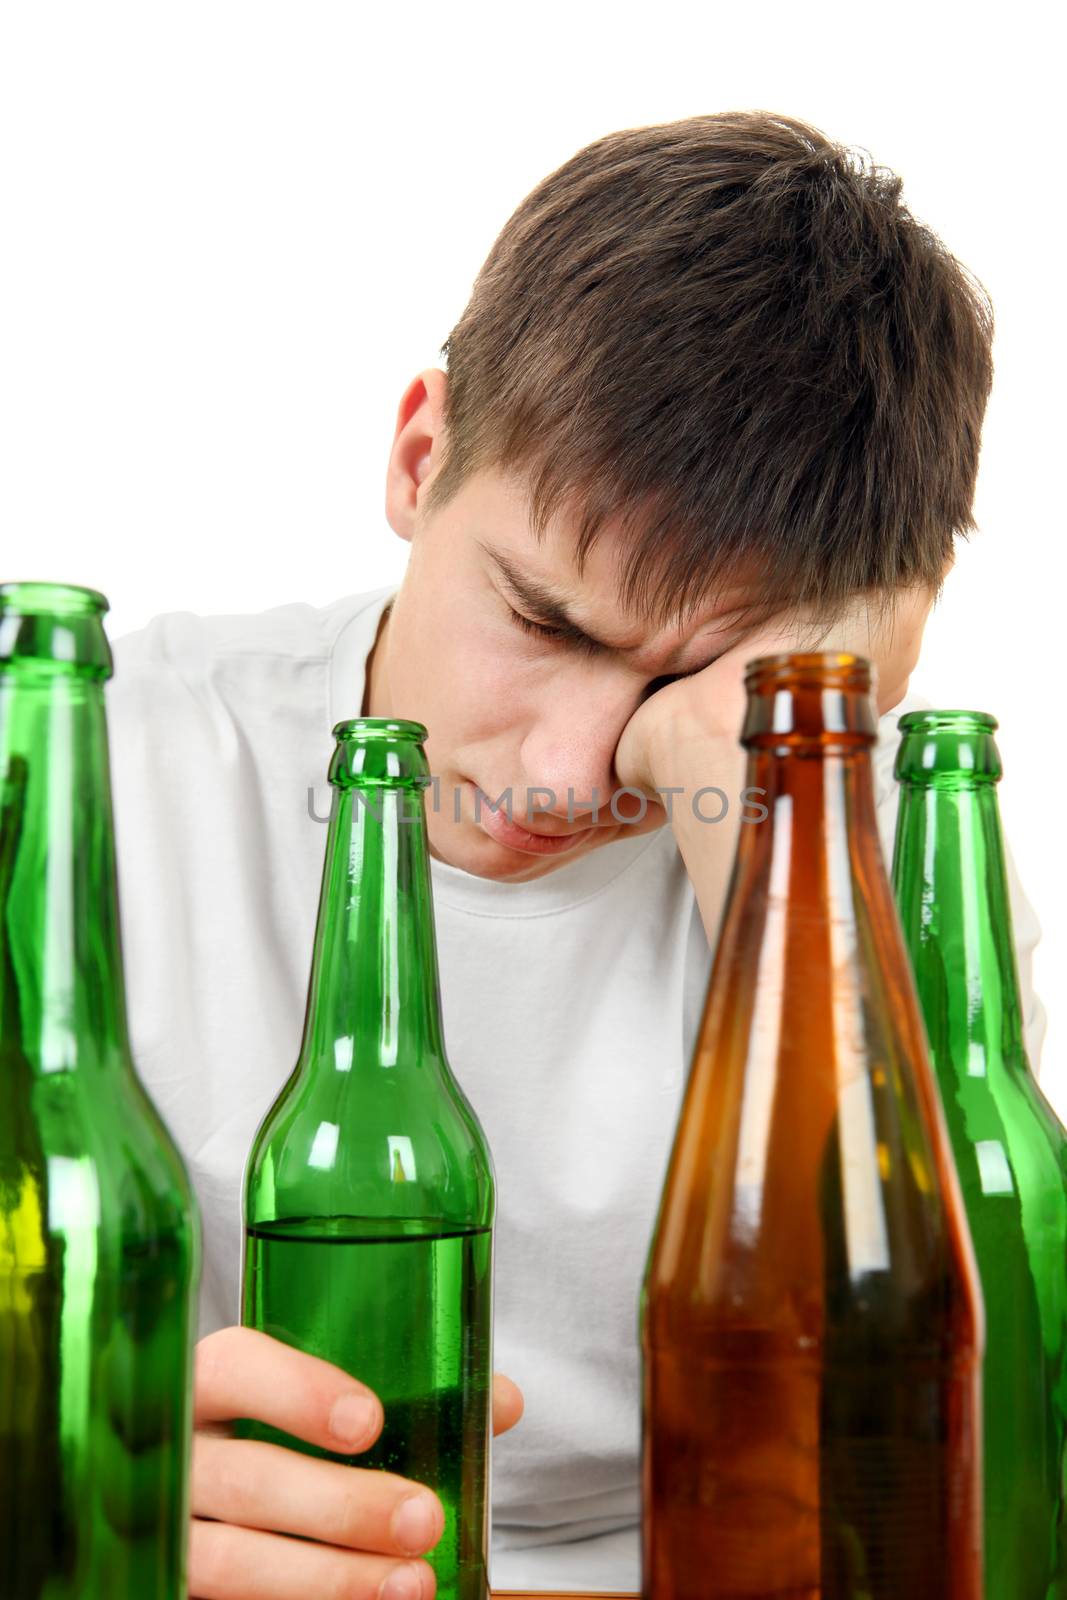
540,576
593,591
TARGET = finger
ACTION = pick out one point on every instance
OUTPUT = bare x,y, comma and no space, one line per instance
228,1563
243,1373
508,1403
266,1486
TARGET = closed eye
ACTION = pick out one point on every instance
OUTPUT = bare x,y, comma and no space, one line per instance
586,646
542,630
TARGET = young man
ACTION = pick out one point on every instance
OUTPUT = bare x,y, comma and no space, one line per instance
715,393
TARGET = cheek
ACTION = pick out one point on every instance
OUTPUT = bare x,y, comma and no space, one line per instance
471,687
488,661
495,693
477,676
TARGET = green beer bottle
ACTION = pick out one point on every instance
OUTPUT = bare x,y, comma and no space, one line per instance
1010,1149
370,1196
99,1241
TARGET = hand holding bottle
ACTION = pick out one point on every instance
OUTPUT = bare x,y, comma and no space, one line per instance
358,1528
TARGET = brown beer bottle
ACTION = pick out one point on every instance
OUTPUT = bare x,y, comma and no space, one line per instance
812,1321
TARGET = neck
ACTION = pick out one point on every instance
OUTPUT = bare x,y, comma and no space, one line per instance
375,697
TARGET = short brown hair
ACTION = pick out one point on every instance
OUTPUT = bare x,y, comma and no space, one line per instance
730,334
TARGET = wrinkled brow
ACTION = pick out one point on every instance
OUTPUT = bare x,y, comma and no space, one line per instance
545,604
549,607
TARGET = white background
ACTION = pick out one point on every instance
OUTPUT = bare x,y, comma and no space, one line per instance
233,233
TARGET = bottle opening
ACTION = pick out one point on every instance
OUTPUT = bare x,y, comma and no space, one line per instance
947,748
53,629
34,599
809,701
960,721
818,669
373,752
381,728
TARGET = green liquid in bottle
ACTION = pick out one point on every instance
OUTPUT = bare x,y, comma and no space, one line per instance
407,1313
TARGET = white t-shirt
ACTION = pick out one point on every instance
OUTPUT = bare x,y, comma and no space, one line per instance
570,1008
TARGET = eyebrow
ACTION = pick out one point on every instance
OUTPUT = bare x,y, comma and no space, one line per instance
547,606
550,608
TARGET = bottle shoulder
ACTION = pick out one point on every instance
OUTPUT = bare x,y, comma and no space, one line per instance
358,1094
1010,1153
371,1143
109,1128
994,1092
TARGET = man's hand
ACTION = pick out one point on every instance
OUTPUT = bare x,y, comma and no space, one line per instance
712,702
359,1528
686,736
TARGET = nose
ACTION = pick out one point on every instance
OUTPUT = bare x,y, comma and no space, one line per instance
568,762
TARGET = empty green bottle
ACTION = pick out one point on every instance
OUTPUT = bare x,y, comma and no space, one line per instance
1010,1149
98,1230
370,1196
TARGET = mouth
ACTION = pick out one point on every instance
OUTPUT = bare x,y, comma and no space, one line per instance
497,825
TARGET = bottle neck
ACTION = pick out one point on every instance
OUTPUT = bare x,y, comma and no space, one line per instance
820,837
810,726
62,994
374,996
952,890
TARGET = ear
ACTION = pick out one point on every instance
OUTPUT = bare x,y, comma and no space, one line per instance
418,448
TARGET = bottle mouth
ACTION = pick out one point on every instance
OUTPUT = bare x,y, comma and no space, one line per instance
947,748
825,669
958,721
34,598
809,701
379,752
397,728
50,630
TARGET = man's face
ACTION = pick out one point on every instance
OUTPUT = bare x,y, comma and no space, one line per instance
512,710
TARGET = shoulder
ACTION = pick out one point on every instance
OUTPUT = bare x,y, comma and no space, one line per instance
195,698
888,730
182,663
186,643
